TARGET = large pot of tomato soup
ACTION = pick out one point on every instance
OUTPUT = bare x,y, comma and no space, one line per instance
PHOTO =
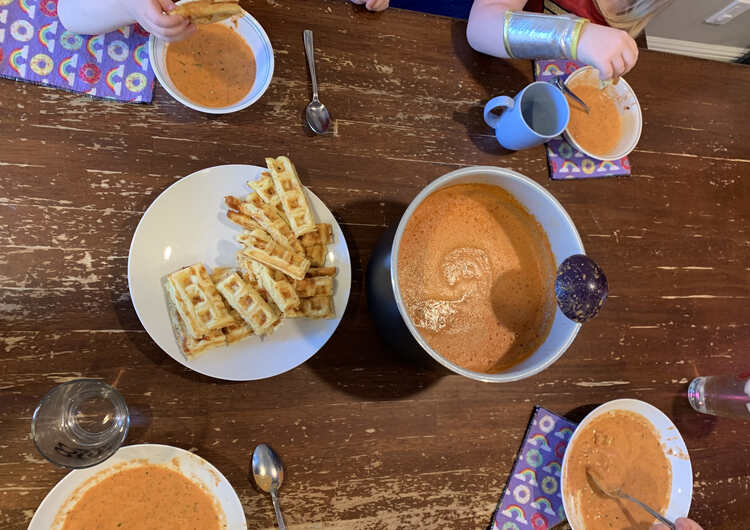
472,267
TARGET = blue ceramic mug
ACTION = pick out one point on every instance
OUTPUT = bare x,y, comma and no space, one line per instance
537,114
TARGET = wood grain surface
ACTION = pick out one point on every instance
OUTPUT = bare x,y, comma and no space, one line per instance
369,440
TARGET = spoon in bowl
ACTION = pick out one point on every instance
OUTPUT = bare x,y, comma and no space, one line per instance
580,288
559,83
619,494
268,472
318,117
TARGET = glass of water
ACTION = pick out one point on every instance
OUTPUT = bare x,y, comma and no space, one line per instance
721,395
80,423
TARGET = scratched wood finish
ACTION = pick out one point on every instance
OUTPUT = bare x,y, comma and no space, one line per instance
369,440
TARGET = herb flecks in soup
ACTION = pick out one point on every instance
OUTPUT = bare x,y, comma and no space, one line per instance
621,450
599,130
144,498
476,272
214,67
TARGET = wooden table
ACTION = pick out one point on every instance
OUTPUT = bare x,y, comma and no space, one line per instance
369,440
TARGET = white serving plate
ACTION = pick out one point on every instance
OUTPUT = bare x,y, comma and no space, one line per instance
187,224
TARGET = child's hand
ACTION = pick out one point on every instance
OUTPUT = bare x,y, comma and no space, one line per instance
680,524
373,5
150,14
611,51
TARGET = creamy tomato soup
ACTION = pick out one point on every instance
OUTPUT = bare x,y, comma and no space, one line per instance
599,130
621,450
214,67
145,497
476,271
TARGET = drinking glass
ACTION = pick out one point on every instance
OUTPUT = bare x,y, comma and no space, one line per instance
721,395
80,423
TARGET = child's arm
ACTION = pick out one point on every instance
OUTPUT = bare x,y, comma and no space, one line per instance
611,51
485,29
91,17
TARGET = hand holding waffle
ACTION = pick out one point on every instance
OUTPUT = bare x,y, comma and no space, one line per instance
93,17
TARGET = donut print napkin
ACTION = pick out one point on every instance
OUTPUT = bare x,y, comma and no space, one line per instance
532,498
35,47
565,161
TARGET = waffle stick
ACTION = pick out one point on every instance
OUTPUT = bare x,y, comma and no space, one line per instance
239,329
261,247
292,195
268,217
234,203
278,286
316,307
317,255
315,286
322,235
219,273
199,305
321,271
247,274
249,304
190,346
237,332
207,11
255,199
243,220
265,189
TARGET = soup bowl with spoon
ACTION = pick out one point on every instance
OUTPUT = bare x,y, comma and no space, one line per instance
628,108
679,492
579,293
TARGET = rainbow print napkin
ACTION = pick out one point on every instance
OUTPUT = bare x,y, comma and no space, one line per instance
532,497
565,161
35,47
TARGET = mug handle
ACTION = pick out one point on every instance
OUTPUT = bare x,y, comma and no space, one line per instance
499,101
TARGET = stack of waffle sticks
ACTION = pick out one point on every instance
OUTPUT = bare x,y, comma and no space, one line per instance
281,269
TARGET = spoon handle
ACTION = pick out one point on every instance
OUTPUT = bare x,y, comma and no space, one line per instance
310,52
562,86
653,512
277,509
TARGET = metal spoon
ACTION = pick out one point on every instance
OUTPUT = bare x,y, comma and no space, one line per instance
268,472
559,83
619,494
580,288
318,117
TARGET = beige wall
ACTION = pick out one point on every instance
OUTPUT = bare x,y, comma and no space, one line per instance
683,20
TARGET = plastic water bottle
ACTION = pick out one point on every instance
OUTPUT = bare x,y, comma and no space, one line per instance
721,395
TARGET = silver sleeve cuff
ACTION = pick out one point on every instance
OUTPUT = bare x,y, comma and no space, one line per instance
537,36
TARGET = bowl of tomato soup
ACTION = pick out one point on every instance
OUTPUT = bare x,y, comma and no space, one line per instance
632,446
221,68
612,127
142,487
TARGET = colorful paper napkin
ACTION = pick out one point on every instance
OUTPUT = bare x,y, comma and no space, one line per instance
532,497
565,161
35,47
